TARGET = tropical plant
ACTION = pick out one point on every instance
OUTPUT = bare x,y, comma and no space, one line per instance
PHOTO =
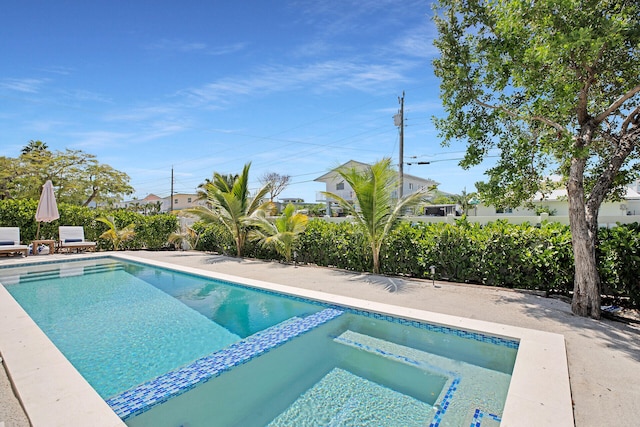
228,179
37,146
232,204
554,86
114,234
282,233
187,238
375,211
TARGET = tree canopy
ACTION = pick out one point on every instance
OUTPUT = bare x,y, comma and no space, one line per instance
77,176
554,86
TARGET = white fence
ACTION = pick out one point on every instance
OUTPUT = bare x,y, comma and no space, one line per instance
604,221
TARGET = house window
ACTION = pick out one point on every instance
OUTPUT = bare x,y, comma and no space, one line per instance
504,210
188,199
175,201
340,186
411,186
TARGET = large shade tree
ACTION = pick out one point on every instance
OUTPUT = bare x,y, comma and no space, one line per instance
555,86
79,178
375,209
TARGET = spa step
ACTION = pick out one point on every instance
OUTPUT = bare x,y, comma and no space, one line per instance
399,353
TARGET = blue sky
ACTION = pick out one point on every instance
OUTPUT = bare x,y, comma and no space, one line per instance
295,87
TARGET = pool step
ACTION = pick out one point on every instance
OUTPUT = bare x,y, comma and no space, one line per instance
399,353
342,398
60,271
456,371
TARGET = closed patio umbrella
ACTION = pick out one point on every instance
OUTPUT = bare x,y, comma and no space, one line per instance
47,207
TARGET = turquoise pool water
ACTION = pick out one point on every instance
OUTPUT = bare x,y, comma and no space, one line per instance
168,349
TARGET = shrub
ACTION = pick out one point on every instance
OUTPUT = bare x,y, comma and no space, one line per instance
214,237
618,255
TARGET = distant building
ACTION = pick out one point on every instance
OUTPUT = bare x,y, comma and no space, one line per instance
162,204
557,203
335,184
294,200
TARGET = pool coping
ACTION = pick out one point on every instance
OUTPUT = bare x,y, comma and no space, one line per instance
539,393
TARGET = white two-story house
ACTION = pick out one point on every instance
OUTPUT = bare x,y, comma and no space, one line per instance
336,184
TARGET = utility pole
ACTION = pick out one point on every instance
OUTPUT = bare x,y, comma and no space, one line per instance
399,121
171,204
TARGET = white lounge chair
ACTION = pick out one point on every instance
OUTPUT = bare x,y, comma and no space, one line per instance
10,241
72,237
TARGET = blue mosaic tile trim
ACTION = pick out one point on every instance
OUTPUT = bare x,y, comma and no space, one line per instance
140,399
437,418
442,329
446,401
510,343
478,415
396,357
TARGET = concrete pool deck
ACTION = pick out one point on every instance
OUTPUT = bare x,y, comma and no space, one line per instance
603,357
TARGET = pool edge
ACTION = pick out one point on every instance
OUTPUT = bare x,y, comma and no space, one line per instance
541,360
51,391
539,393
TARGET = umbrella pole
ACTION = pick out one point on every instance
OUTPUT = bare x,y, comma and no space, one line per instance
38,231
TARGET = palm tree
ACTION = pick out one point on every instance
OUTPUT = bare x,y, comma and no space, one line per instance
282,233
375,210
231,204
35,146
464,200
185,239
116,235
229,179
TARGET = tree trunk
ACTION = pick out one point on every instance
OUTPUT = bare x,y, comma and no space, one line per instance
586,288
375,254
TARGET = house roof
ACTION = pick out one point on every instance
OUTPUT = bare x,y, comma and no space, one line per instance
354,164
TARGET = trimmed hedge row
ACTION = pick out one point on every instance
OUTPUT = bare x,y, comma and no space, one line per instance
152,232
496,254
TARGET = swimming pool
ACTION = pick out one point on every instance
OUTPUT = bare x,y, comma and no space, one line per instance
279,373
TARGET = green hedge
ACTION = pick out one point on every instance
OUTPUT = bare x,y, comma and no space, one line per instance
152,232
618,255
497,254
339,245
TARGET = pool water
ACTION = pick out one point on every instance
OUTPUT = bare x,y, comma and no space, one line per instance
166,348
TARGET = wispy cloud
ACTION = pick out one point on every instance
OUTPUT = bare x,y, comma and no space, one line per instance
320,77
57,69
140,114
181,46
177,45
99,139
80,95
25,85
418,43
